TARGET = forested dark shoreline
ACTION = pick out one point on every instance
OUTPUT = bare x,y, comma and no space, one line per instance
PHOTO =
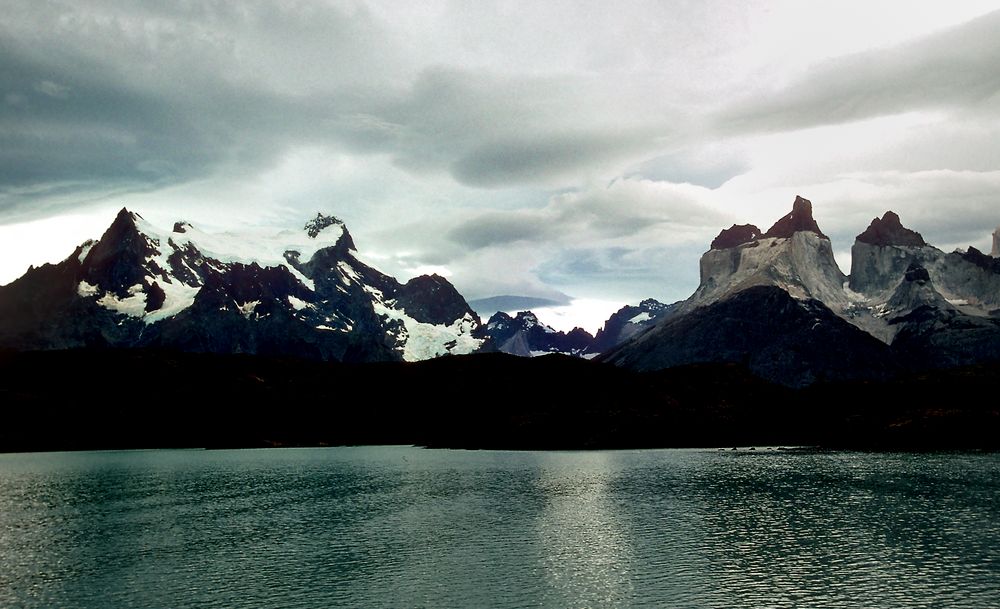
70,400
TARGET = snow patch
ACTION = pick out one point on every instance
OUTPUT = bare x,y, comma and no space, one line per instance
84,289
247,308
425,341
133,305
297,303
347,273
177,297
266,247
85,249
641,317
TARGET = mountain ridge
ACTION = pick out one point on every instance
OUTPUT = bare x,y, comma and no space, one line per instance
295,292
309,293
941,307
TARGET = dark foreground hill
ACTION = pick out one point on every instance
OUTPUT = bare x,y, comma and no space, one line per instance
143,399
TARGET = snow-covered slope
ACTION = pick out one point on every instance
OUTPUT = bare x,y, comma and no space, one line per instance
288,292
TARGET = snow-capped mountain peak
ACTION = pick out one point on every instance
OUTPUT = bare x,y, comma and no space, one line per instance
297,292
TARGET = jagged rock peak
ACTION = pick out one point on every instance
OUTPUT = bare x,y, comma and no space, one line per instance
127,217
799,219
181,226
316,225
915,272
527,318
981,260
433,299
996,243
737,234
124,227
890,231
499,318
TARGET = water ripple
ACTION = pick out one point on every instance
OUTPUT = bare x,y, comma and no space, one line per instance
402,527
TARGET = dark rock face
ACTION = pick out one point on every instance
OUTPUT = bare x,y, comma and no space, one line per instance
981,260
916,273
777,337
116,261
935,338
155,297
737,234
799,219
432,299
524,335
628,322
890,231
931,333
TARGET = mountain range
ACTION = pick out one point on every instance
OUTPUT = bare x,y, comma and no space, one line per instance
776,302
301,293
772,301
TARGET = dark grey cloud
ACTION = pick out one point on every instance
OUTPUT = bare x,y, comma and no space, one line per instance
76,122
488,129
540,157
956,68
498,228
131,97
136,96
488,306
624,209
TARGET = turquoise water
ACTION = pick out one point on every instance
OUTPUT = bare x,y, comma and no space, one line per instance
405,527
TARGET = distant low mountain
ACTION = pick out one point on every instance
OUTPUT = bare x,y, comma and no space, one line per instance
628,322
525,336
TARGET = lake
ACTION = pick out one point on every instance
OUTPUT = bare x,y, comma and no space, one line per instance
407,527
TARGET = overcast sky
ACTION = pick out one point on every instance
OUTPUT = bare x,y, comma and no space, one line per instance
582,151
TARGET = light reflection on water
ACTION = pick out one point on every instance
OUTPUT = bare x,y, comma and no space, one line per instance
404,527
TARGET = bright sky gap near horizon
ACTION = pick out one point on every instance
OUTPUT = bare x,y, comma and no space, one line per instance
566,150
